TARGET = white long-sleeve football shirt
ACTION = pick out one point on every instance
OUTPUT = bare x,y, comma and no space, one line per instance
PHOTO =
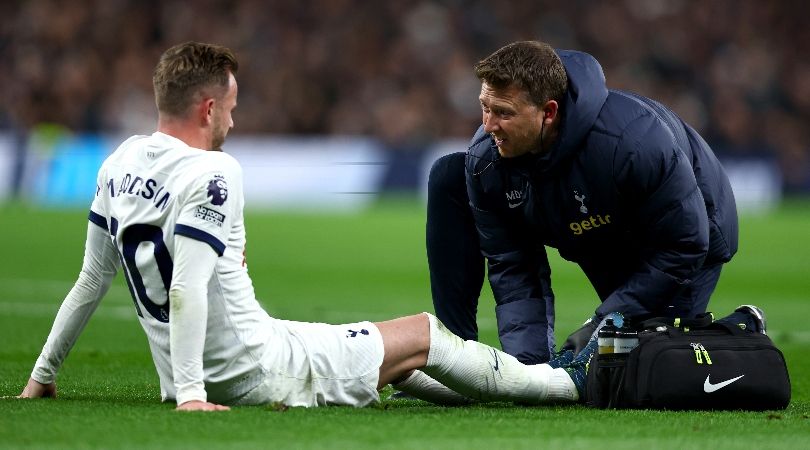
158,200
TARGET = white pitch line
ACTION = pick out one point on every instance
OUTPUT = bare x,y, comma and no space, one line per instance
48,289
27,309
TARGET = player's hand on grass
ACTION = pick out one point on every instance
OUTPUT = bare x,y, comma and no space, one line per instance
35,389
197,405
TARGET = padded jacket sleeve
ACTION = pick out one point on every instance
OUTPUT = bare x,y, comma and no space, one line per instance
519,275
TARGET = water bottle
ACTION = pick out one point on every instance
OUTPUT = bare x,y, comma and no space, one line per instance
606,337
626,339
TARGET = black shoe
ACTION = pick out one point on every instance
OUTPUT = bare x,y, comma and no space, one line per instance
758,315
561,358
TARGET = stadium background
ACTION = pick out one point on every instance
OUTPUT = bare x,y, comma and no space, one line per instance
341,103
395,74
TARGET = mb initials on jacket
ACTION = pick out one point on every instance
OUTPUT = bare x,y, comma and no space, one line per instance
514,198
589,223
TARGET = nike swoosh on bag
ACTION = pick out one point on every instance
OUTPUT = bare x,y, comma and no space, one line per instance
708,387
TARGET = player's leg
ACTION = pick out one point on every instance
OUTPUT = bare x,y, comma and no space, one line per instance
406,343
317,364
420,385
454,257
468,367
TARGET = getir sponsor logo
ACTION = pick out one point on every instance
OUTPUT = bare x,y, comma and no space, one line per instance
589,223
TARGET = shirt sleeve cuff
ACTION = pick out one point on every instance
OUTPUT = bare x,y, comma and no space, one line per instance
194,391
43,375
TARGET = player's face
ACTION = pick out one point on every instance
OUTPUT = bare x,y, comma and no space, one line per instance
511,119
223,119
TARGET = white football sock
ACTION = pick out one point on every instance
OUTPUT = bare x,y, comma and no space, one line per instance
484,373
561,386
423,387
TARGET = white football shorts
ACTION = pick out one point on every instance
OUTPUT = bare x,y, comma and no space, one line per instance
321,364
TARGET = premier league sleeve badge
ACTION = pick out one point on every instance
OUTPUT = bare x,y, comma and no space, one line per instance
218,190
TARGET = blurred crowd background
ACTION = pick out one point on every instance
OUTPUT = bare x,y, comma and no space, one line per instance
401,70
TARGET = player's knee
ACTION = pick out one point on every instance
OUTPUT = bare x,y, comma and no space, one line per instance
421,331
406,338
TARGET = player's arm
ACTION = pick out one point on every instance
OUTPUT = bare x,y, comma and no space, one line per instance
194,263
208,210
98,270
671,217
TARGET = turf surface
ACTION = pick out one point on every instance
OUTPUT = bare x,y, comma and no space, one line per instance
340,268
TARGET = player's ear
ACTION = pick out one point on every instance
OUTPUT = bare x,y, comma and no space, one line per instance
205,111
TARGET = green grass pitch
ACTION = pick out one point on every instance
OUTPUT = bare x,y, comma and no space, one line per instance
340,268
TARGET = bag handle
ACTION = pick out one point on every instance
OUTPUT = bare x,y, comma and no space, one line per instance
731,328
700,322
704,320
